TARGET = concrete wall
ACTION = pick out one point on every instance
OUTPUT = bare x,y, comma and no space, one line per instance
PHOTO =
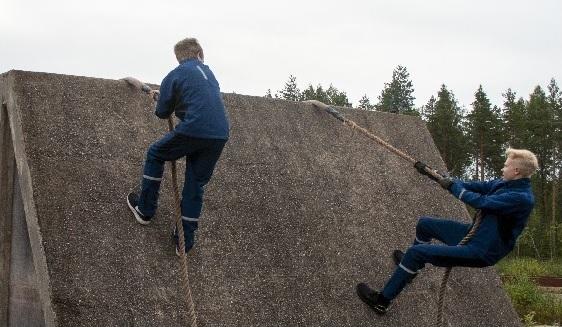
300,209
20,304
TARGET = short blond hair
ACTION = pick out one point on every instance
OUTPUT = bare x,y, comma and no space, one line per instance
188,48
525,160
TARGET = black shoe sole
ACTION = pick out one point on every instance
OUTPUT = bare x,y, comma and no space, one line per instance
367,301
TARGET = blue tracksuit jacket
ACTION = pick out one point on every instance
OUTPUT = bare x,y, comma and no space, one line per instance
505,205
192,92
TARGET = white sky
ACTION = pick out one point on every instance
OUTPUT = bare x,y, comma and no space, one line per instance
255,45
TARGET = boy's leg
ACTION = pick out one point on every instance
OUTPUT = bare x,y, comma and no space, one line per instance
417,256
199,169
447,231
168,148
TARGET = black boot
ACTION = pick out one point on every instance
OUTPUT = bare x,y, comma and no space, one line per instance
373,299
397,256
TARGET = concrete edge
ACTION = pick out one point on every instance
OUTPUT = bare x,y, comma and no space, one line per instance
25,183
7,171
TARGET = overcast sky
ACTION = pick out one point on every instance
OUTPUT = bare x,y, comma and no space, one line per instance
255,45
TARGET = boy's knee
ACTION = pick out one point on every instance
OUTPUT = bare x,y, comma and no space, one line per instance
413,258
423,222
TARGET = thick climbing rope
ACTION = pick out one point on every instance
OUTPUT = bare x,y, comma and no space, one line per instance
477,216
190,306
443,287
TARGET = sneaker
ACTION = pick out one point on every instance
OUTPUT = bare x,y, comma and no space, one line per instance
132,202
373,299
397,256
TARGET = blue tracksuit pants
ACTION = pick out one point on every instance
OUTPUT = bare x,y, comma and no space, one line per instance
422,251
201,157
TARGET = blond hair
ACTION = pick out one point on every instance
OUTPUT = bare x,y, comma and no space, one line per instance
525,160
188,48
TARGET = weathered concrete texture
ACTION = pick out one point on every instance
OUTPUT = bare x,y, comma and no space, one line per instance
300,209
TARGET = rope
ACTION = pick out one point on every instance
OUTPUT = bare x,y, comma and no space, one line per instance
477,217
443,287
179,227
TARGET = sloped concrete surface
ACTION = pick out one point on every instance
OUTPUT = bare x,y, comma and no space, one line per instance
300,209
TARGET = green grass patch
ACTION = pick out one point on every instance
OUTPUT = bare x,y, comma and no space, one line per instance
529,267
532,305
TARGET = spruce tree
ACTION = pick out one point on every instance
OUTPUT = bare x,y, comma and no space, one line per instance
429,109
365,103
337,97
445,126
397,96
515,120
541,142
485,136
291,90
554,100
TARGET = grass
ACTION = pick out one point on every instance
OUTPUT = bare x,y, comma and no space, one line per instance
530,303
529,267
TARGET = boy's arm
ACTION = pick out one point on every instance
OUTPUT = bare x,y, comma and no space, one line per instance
165,104
499,202
478,186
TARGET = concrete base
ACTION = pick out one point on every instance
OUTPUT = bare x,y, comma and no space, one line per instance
20,302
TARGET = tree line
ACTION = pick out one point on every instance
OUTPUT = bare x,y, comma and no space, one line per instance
472,141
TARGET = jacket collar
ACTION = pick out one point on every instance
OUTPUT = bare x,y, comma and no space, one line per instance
189,60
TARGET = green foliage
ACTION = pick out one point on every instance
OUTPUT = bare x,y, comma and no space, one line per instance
531,304
522,267
514,117
291,90
485,136
331,96
337,97
396,97
445,125
365,104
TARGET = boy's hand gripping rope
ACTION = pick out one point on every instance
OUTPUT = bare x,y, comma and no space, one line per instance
177,204
422,168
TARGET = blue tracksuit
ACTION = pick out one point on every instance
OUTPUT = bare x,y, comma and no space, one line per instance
193,94
505,205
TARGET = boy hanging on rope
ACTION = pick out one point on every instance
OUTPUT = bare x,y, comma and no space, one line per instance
505,206
192,93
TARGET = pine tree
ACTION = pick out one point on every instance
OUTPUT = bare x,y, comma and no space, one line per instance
445,126
337,97
485,136
315,94
365,103
268,94
541,142
429,109
554,100
396,97
331,96
515,119
291,90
